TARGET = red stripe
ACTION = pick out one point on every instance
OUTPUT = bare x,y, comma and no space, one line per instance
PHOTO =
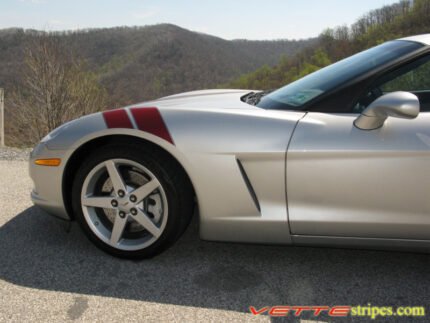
150,120
117,119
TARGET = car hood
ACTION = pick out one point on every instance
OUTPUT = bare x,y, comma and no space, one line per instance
216,99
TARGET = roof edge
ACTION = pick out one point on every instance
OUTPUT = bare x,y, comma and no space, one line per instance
423,39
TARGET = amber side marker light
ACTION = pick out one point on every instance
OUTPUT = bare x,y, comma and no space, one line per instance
48,162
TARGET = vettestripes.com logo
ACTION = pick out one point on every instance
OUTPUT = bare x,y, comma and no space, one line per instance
368,310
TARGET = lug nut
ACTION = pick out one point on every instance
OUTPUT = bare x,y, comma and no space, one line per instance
121,193
133,211
122,214
133,198
114,203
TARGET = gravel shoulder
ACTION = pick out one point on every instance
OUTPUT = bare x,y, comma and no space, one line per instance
17,154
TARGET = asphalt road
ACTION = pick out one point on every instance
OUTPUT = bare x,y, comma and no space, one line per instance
48,274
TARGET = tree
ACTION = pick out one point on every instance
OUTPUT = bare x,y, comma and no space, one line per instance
56,87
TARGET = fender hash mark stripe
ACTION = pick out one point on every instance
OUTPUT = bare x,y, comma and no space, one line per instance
150,120
117,119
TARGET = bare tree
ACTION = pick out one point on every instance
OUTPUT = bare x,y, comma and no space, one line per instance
56,88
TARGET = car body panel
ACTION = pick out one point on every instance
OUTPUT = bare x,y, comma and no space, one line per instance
342,181
218,140
47,190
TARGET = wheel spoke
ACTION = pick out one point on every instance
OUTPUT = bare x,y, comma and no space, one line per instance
145,190
144,220
97,201
118,229
115,176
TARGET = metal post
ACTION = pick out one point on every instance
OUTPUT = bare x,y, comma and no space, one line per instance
2,117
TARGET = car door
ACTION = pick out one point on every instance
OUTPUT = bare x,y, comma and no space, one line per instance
347,182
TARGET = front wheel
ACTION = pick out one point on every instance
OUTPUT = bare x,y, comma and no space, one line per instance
130,201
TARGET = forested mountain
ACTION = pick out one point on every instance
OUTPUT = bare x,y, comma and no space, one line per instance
141,63
404,18
118,66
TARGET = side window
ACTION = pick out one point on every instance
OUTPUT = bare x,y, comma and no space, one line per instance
413,77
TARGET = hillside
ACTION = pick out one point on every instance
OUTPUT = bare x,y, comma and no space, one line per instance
405,18
142,63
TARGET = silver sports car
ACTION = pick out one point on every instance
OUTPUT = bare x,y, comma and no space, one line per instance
340,157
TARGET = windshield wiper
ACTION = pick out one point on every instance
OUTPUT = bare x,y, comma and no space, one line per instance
254,97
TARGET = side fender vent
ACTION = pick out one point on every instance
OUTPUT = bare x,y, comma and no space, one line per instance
249,185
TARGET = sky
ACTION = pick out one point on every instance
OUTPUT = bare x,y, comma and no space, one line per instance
229,19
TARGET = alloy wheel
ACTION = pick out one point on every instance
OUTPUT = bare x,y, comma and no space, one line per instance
124,204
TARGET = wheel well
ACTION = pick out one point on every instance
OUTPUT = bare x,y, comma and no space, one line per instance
79,155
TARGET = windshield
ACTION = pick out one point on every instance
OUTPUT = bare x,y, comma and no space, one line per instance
295,95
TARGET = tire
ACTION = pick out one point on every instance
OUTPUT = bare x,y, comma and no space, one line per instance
122,225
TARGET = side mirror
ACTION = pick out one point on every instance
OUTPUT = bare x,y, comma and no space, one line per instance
396,104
